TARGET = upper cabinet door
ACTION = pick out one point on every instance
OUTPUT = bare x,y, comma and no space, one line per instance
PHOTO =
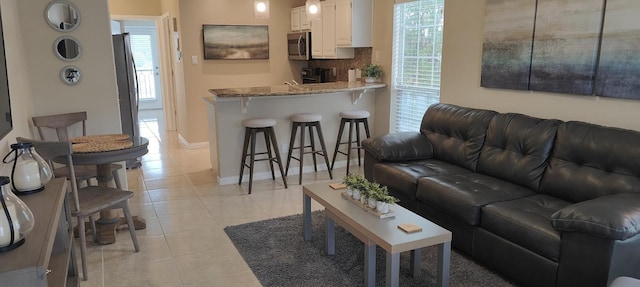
295,19
305,24
328,28
316,38
343,23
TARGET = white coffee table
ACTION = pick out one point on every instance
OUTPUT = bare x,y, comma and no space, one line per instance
381,232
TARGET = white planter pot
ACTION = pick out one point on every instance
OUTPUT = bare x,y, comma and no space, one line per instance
382,206
356,194
370,80
349,191
372,202
363,199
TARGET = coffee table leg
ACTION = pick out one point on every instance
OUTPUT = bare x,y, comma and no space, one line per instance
444,261
416,260
393,269
306,210
331,235
369,264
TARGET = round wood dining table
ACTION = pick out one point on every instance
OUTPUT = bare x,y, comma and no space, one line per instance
109,220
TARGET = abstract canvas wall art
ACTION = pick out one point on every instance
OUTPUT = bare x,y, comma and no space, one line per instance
565,46
506,51
619,69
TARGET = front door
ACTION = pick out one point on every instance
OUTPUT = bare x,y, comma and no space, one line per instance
144,45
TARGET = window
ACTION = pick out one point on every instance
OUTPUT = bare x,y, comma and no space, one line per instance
417,54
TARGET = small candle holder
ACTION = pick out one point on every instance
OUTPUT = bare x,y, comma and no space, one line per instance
30,172
16,219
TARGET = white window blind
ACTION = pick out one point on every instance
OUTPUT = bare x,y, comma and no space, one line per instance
417,54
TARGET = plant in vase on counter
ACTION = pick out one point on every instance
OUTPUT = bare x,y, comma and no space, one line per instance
372,72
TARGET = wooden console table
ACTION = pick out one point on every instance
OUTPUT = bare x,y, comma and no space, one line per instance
47,257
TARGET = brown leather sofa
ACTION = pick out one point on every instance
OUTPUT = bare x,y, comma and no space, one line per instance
543,202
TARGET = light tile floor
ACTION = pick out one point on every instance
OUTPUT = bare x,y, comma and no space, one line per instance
186,211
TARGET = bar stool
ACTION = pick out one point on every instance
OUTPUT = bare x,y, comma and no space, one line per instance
252,128
353,118
302,121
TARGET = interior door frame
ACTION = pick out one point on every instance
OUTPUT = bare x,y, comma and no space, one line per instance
164,29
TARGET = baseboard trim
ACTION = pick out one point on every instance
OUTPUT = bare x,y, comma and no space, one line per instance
292,171
188,145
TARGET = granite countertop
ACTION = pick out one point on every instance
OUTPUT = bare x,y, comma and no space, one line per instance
286,90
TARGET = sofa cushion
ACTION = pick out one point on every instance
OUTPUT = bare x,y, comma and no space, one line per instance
526,222
456,133
463,196
403,176
590,161
517,148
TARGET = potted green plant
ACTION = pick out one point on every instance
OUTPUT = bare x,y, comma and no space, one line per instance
357,183
382,205
349,180
372,72
375,192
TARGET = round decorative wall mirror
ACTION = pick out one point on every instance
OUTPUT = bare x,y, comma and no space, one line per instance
67,48
62,15
70,75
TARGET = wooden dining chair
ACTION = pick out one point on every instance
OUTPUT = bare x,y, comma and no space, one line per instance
86,200
61,124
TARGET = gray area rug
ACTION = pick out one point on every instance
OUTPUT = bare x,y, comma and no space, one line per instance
277,254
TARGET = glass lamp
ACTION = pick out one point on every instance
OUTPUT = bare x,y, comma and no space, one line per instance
313,8
29,172
261,9
16,219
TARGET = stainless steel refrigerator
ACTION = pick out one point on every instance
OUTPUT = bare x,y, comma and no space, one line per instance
127,89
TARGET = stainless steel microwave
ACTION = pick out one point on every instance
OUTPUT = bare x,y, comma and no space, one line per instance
299,45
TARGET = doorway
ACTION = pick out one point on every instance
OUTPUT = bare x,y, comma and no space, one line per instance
144,46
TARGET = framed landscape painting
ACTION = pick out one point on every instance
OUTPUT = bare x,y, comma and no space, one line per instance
235,42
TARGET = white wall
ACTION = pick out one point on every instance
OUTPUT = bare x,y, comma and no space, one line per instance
96,93
217,74
462,59
19,80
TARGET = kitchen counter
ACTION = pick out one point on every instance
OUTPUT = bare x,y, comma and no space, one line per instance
227,108
304,89
357,89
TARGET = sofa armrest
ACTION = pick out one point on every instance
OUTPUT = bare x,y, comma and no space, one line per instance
615,217
399,147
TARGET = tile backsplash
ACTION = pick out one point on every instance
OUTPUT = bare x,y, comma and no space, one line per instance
361,59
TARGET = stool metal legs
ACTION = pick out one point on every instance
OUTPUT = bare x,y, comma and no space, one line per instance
272,147
313,151
350,140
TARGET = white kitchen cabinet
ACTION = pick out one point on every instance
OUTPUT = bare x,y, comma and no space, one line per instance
328,29
354,20
299,21
295,19
305,24
323,35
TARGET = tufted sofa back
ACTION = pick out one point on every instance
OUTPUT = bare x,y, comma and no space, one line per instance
456,133
590,161
517,148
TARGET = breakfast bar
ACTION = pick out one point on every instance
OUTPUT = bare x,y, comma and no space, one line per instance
227,108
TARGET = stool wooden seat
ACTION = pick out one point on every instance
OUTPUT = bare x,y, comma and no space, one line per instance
303,121
354,118
252,128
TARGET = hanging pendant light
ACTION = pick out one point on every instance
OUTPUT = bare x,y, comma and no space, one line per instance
261,9
313,9
16,219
